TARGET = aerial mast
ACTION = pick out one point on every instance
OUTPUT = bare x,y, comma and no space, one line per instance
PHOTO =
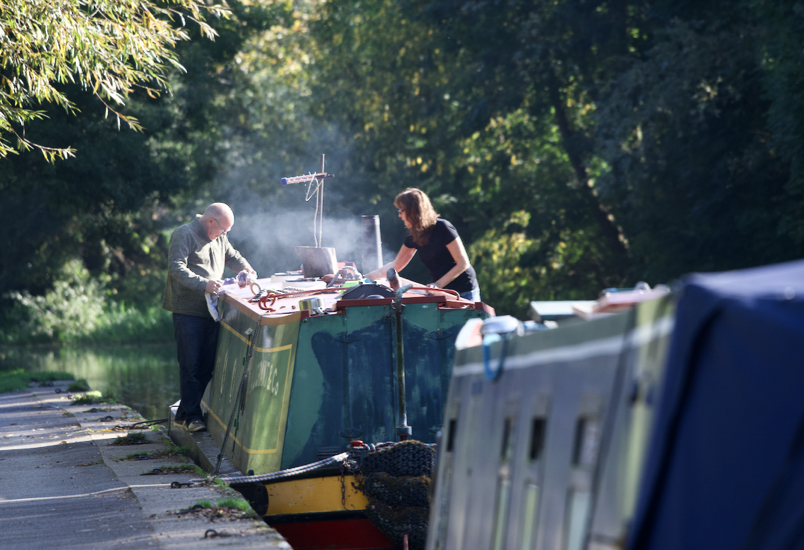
317,260
318,191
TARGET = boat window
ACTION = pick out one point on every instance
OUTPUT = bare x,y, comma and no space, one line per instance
453,424
579,496
504,480
537,427
530,494
505,452
586,441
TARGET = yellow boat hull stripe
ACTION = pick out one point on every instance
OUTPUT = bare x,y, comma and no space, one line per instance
318,494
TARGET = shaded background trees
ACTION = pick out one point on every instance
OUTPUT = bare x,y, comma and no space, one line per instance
575,145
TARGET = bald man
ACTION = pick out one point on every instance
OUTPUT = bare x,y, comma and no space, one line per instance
197,255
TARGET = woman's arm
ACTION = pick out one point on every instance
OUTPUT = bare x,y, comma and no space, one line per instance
458,253
400,262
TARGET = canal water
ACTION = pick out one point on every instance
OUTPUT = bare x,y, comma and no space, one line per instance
143,376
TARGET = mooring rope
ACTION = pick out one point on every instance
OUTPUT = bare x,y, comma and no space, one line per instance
354,451
337,459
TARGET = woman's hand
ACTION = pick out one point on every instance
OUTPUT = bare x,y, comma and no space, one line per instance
402,259
458,253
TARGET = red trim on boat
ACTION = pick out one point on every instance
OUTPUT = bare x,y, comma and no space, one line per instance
351,534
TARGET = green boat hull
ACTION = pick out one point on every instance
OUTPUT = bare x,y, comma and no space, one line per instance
313,383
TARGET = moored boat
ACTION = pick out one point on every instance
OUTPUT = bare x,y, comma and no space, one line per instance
305,371
675,423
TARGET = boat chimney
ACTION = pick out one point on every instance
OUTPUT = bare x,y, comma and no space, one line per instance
372,246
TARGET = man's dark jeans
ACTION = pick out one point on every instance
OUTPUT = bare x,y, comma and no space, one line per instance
196,342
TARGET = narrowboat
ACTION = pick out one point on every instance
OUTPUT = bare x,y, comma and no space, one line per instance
307,369
645,420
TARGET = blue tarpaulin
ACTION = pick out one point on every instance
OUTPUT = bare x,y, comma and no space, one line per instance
725,463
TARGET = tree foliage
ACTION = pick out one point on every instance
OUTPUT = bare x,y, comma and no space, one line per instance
107,47
574,145
111,203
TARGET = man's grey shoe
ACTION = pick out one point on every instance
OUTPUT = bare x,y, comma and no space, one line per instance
196,426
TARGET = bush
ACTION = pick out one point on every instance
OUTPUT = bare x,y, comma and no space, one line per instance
71,309
78,310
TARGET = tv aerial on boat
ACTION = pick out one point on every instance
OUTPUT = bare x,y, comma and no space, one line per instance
316,191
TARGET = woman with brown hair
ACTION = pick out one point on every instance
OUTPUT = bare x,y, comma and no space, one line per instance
438,244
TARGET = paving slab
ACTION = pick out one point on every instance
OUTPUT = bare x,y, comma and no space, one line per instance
65,482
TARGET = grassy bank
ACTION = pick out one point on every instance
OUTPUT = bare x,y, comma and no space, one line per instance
16,380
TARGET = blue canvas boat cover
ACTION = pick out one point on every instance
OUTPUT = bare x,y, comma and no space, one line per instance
725,463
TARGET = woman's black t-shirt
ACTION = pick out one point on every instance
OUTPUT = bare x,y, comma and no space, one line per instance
438,260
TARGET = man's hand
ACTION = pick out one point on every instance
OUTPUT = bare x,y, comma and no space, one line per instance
245,277
213,286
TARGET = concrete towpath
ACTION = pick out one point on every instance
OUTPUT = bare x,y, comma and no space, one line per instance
63,484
